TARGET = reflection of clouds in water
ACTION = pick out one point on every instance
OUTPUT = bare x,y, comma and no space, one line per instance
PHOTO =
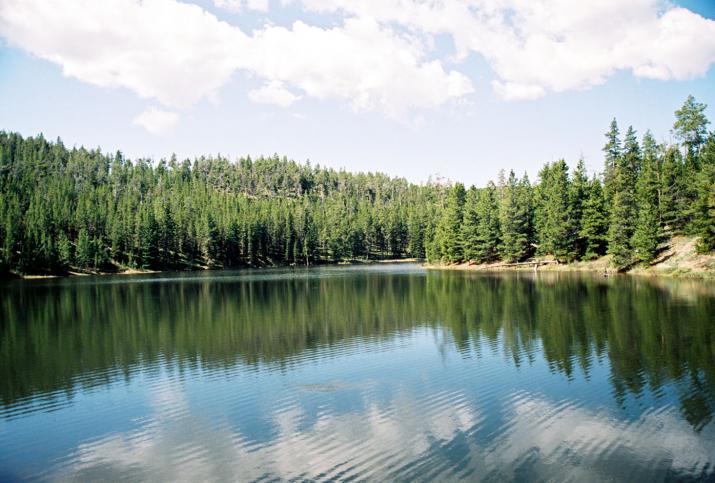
382,441
176,445
583,444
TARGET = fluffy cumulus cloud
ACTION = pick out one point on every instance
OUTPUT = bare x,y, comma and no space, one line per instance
368,65
178,53
157,121
237,6
537,46
173,52
273,93
376,55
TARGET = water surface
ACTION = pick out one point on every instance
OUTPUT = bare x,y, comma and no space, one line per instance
384,372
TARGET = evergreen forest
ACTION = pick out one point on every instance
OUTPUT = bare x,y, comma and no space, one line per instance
67,209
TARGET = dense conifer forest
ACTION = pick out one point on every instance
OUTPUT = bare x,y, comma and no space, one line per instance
76,209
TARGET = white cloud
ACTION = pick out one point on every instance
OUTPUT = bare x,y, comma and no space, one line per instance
157,121
273,93
367,65
378,55
237,6
161,49
537,46
515,91
260,5
234,6
178,53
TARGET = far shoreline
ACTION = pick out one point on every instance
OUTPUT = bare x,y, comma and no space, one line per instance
8,276
678,260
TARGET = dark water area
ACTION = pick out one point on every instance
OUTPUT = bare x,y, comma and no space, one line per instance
378,373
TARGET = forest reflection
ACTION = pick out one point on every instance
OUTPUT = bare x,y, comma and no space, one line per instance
60,337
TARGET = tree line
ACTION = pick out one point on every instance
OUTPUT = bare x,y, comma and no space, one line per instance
647,193
82,209
64,209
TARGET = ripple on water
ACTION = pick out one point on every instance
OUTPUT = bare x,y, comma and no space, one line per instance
347,373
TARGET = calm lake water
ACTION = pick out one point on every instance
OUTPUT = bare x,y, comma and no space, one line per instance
385,372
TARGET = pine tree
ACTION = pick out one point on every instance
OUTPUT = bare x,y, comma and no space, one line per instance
705,204
706,221
612,152
64,251
470,225
577,198
673,201
691,127
594,222
449,233
623,206
416,232
100,253
515,220
646,233
556,228
487,242
83,253
148,236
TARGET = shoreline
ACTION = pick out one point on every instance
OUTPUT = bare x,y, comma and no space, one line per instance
198,268
576,268
678,260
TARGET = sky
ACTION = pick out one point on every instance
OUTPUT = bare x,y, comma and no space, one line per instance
454,89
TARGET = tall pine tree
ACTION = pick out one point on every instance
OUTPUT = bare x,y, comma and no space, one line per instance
488,231
645,235
623,204
594,222
515,220
449,233
556,228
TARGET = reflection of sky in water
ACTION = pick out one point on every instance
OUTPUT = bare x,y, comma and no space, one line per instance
411,407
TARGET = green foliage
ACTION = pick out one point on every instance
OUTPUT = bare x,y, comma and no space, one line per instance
691,126
556,224
674,210
65,209
594,222
612,153
705,203
647,231
64,251
81,209
623,204
578,193
488,237
84,255
515,216
705,208
449,233
470,225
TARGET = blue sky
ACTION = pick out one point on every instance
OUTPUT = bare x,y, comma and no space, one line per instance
411,88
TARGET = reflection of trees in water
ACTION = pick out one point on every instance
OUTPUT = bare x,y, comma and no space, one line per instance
55,337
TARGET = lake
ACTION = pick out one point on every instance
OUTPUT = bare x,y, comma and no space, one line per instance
379,372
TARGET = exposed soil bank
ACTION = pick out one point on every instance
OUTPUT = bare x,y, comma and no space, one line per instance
678,259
